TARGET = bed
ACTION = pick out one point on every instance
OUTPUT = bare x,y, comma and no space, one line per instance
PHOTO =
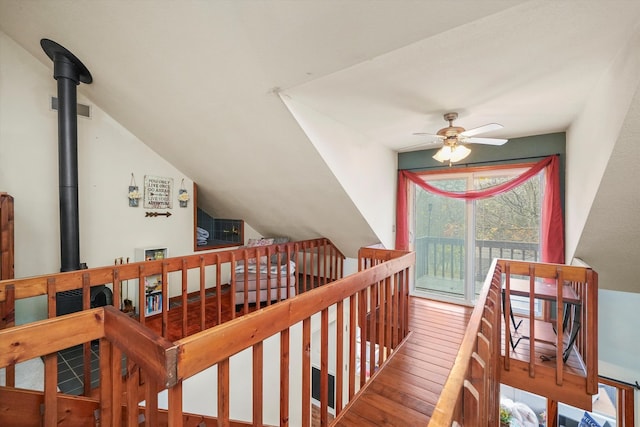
272,283
275,280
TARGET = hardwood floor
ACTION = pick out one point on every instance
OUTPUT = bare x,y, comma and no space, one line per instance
212,315
406,390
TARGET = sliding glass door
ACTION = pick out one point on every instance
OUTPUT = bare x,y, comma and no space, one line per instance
456,240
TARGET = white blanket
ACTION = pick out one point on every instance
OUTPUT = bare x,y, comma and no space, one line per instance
253,268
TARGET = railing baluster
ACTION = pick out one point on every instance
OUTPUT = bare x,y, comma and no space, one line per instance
183,297
218,296
175,406
388,320
373,294
165,299
352,344
86,347
284,378
324,367
141,295
306,372
151,402
201,290
257,383
51,367
560,308
107,404
339,356
223,393
132,386
532,321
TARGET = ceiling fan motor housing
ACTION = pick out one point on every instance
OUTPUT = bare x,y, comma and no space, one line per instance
451,132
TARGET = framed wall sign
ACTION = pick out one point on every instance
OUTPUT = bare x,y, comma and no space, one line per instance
157,192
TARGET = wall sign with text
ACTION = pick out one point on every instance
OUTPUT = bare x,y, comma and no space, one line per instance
157,192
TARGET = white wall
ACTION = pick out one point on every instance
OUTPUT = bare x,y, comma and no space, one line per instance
589,147
592,136
107,155
366,171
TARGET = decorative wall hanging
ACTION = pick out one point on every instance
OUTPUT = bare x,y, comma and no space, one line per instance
134,194
183,195
157,192
155,214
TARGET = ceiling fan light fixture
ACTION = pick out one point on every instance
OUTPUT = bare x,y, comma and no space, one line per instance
452,154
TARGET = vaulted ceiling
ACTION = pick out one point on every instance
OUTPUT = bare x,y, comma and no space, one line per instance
203,84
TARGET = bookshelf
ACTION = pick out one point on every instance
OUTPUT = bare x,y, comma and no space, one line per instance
153,283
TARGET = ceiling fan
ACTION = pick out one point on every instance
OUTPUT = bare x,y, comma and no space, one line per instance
454,138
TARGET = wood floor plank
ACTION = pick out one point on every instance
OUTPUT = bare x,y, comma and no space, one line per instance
405,391
397,393
387,415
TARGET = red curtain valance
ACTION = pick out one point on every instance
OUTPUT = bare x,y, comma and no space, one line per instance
552,222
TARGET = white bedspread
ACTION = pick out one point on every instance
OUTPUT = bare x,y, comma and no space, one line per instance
253,268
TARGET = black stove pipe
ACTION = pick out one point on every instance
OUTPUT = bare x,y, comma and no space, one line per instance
68,72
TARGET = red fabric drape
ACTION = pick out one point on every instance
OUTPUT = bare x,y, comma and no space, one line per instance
552,221
552,225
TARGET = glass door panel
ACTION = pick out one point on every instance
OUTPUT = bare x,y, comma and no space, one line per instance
507,225
440,232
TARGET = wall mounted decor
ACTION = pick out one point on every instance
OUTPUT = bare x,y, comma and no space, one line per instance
157,192
183,195
134,194
155,214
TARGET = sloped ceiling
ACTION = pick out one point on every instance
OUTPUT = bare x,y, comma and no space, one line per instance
200,83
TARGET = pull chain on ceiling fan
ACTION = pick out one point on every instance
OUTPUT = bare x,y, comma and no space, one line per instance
454,138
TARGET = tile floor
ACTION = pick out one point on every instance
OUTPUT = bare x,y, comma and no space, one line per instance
71,369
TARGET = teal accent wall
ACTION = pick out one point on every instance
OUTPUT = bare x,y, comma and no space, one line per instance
516,150
513,151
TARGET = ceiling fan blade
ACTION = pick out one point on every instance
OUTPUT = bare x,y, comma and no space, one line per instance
487,141
482,129
433,141
421,146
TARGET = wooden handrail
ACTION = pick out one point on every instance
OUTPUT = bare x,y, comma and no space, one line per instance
471,394
148,350
154,363
255,327
452,406
328,266
569,296
25,342
37,285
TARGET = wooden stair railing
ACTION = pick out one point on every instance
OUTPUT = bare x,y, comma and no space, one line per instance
346,300
566,284
153,363
470,396
150,359
318,262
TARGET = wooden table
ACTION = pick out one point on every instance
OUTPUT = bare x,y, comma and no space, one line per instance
547,292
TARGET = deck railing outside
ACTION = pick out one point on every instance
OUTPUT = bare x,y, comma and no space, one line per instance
443,257
135,363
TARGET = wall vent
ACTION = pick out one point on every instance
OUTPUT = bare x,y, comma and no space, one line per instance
83,110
